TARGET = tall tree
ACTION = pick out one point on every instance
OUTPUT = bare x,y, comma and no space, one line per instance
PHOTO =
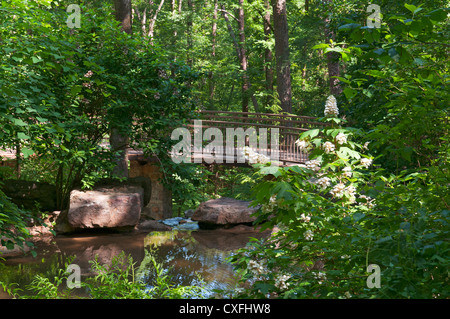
213,51
332,56
119,141
122,9
268,56
243,56
283,64
151,27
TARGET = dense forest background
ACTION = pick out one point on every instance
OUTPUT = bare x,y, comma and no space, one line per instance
129,71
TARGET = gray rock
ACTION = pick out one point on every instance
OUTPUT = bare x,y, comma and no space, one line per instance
152,225
224,212
189,213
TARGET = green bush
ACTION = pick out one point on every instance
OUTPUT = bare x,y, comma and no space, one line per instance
13,225
337,216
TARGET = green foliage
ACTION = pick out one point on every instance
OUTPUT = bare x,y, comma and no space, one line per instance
337,215
13,225
62,89
397,86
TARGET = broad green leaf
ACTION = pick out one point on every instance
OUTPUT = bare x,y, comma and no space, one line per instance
36,60
19,122
410,7
22,136
311,133
271,170
349,93
27,152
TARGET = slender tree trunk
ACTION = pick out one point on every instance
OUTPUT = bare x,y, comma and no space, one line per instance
118,141
243,56
151,27
212,84
268,56
189,24
332,57
282,54
242,60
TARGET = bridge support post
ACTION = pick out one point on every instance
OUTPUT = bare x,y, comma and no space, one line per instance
160,205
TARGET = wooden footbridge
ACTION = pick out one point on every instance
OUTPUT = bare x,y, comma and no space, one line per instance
275,136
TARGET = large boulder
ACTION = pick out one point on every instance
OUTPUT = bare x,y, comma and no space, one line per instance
115,207
224,212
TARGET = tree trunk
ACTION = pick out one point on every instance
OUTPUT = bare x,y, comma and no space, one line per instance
242,60
283,64
268,56
243,56
118,141
332,57
151,27
123,14
189,24
212,84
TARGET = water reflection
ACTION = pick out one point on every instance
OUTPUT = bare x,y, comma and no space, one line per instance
188,255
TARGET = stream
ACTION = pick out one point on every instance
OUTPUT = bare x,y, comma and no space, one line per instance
187,254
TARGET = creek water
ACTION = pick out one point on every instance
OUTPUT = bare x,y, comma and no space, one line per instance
188,255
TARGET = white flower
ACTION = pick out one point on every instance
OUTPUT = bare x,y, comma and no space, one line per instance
351,190
89,74
254,157
341,138
320,276
303,145
255,267
347,295
328,147
366,162
331,109
323,182
313,165
280,282
347,171
365,146
304,218
338,190
369,201
308,235
273,199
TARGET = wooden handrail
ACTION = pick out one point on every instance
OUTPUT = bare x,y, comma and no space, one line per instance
259,114
290,127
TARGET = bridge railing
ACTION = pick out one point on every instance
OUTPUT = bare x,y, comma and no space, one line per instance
289,127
